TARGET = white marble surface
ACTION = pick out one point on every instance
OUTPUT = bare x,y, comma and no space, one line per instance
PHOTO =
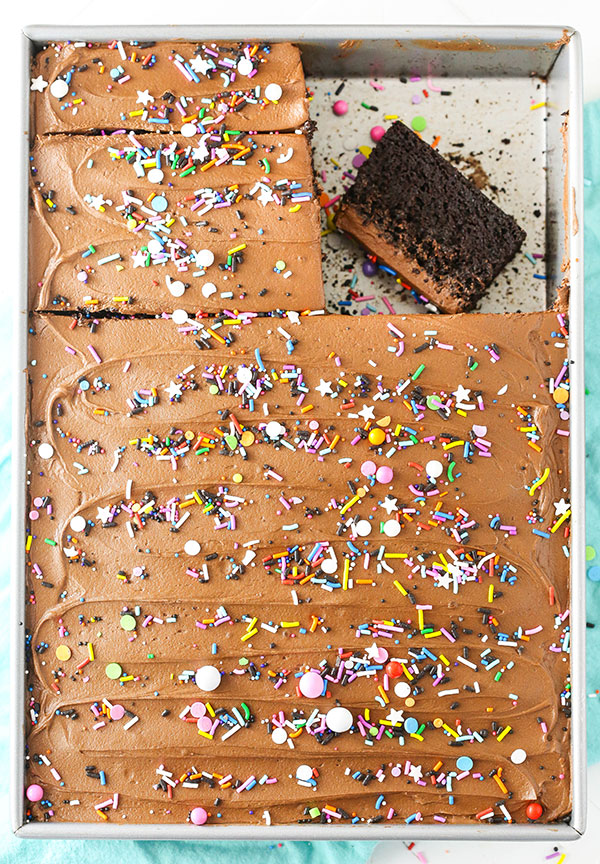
581,14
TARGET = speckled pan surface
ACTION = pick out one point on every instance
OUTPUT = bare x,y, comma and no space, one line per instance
89,483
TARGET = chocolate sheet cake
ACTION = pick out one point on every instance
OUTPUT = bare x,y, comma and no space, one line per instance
421,217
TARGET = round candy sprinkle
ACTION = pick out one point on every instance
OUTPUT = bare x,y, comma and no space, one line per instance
534,810
199,816
208,289
560,395
464,763
329,565
418,123
204,258
590,552
159,202
339,719
128,622
434,468
237,478
34,792
188,130
117,712
279,735
63,652
377,133
311,685
113,671
177,288
192,547
518,756
376,436
369,267
384,474
204,724
244,66
363,528
411,725
179,316
368,468
594,573
77,523
244,375
59,88
247,438
197,709
273,92
155,175
304,772
391,528
394,670
274,429
357,161
208,678
340,107
45,450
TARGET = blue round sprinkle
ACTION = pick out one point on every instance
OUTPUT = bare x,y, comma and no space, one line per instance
464,763
594,574
411,725
159,203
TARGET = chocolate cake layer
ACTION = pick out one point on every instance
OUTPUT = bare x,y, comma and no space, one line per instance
425,220
148,223
373,508
166,86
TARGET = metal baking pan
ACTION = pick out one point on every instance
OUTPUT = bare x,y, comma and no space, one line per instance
497,64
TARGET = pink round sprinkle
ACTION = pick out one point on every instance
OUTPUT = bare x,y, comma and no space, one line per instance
33,515
34,792
358,160
340,107
204,724
199,816
384,474
396,772
117,712
382,655
377,133
38,501
368,468
198,709
313,425
311,685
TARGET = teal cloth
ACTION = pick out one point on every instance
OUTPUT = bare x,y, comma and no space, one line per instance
324,852
592,411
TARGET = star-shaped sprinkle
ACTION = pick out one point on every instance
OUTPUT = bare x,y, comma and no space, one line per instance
367,412
104,514
139,258
174,390
373,651
38,84
200,153
390,505
395,716
561,507
324,388
200,65
96,201
416,772
143,98
462,394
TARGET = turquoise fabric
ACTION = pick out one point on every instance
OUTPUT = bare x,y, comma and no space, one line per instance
76,851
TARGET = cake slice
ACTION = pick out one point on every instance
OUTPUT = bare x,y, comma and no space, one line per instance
166,86
149,222
426,221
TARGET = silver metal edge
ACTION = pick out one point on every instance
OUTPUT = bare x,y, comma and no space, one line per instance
72,830
577,439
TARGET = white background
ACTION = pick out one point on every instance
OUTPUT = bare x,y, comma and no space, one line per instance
584,15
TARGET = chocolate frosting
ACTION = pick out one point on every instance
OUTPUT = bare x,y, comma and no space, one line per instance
455,566
109,230
103,83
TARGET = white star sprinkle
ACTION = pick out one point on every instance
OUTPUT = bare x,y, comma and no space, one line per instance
462,394
200,65
561,507
174,390
143,98
416,772
139,259
373,651
38,84
367,412
324,388
390,505
104,514
395,716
